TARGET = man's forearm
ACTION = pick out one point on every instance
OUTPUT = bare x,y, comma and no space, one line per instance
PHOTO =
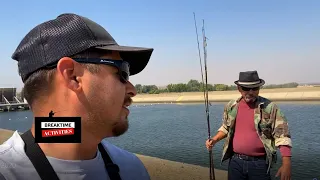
286,160
220,135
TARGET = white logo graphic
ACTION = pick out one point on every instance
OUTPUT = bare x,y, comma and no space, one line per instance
57,125
106,61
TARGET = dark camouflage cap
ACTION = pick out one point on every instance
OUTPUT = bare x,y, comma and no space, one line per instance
68,35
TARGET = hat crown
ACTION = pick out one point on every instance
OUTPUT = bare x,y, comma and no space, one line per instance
249,76
49,41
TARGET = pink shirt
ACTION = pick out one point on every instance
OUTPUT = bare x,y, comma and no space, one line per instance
246,140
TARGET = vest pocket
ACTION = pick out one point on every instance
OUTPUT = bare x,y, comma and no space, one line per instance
265,125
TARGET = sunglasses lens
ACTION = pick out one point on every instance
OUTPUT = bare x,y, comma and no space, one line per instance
124,76
125,71
125,67
248,89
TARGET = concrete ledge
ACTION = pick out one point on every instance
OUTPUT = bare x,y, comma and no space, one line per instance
160,169
4,135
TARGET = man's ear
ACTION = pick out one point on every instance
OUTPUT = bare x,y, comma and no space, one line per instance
69,72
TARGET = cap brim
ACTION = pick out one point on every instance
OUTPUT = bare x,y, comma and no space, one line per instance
137,57
262,82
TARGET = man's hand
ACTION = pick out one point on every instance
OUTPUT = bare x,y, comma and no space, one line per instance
210,143
285,170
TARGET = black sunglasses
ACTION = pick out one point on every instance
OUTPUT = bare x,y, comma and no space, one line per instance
248,89
122,66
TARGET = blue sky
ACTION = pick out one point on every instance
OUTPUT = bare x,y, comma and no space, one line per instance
279,39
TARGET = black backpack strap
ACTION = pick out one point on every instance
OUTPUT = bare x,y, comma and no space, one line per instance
38,158
113,169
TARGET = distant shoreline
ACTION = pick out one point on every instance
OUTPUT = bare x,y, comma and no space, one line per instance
225,101
307,94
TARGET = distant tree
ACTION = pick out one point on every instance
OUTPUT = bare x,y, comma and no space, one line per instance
193,85
232,87
196,86
178,87
210,87
138,88
286,85
149,88
220,87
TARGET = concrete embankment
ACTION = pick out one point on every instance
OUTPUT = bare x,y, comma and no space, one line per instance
160,169
283,94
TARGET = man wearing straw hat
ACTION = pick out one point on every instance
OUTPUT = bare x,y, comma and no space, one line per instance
254,127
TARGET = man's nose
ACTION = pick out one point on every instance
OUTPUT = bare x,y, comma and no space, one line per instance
251,90
131,90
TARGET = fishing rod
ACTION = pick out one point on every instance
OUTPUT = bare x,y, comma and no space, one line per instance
205,91
212,175
204,94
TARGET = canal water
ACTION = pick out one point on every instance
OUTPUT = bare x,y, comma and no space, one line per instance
178,132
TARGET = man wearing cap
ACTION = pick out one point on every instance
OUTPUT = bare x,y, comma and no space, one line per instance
253,127
73,66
